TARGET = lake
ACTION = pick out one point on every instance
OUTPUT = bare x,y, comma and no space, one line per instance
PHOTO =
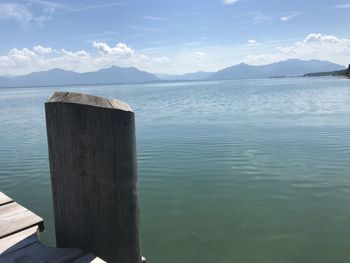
240,171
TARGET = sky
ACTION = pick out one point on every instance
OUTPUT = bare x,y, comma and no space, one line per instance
169,36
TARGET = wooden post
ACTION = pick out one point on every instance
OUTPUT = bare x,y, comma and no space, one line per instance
92,153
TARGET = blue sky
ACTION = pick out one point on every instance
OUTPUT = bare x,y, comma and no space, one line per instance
169,36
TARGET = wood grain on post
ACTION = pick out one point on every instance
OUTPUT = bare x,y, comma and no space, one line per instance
92,153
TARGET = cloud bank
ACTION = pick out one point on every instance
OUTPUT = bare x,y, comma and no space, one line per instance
27,60
314,46
174,61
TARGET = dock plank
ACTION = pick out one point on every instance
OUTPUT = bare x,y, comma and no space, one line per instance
15,218
19,232
30,250
26,247
4,199
9,241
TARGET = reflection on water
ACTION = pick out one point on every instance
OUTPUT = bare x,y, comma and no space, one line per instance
229,171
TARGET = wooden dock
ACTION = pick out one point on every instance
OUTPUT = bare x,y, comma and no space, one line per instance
19,238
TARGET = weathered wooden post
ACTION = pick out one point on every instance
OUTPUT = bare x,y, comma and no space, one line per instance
92,153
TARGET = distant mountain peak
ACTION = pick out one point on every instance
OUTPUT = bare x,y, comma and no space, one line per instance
290,67
59,70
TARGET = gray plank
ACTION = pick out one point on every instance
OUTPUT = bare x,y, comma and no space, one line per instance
11,240
17,245
30,250
4,199
14,218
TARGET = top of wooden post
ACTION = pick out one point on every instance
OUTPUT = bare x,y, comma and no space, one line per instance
84,99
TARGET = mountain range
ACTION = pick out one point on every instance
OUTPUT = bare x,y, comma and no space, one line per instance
114,74
60,77
287,68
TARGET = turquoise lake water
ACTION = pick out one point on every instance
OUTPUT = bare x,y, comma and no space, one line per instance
254,171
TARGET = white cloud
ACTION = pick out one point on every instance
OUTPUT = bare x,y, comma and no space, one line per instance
120,50
42,50
23,61
39,12
48,4
314,46
161,59
263,59
259,17
21,54
154,18
16,59
78,54
83,8
343,6
24,15
319,38
251,42
16,12
319,46
288,17
51,7
172,59
198,55
230,2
